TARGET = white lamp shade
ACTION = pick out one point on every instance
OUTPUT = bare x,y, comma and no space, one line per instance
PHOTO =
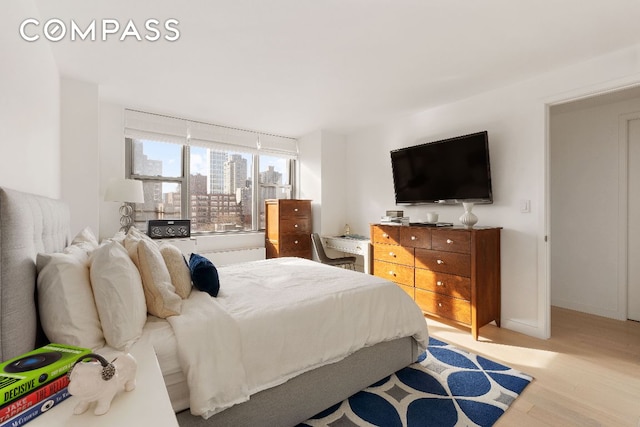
124,190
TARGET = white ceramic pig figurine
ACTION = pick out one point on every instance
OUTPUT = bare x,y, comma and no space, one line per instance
99,381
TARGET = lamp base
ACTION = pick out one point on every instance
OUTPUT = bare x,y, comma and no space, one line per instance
125,220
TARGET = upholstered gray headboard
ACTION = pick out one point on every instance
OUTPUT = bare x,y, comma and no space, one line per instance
29,224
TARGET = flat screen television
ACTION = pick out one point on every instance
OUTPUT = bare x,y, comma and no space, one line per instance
452,170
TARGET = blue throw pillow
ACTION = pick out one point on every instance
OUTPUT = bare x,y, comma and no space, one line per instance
204,275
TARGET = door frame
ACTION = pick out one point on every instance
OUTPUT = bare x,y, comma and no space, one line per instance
623,212
576,95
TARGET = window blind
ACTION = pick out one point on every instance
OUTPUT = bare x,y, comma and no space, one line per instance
157,127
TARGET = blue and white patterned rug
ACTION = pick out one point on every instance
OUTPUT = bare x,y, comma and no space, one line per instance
447,386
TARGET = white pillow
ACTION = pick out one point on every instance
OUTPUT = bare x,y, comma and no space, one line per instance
119,237
85,241
86,236
67,309
160,294
117,289
178,269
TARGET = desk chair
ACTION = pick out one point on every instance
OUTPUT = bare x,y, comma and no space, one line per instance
344,262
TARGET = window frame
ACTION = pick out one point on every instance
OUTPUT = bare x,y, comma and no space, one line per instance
183,180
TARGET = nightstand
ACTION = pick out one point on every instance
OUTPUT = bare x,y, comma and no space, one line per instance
147,405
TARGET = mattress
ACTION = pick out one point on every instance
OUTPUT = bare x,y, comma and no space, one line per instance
159,334
285,314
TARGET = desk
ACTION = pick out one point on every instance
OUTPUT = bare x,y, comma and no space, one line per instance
147,405
351,245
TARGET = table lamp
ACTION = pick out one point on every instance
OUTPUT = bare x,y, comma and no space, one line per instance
126,191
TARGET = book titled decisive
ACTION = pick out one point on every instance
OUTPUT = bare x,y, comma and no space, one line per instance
25,373
32,398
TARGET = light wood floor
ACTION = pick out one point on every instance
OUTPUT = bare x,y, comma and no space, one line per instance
587,374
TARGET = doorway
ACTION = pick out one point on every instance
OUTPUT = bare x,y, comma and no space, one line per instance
594,189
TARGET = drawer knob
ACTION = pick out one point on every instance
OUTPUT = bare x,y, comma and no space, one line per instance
439,304
296,242
449,241
440,261
391,273
385,235
295,210
392,254
414,238
295,226
439,283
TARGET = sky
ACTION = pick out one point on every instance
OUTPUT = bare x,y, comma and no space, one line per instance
169,154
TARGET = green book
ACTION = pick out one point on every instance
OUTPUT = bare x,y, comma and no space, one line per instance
22,374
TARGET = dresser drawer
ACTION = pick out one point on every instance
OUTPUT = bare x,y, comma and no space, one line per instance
415,237
295,225
299,254
445,306
444,262
395,272
451,241
294,243
387,234
447,284
294,208
393,253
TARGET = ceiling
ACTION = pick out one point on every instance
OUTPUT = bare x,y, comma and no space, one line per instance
292,67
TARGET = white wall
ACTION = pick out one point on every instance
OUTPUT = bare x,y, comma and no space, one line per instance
79,122
111,164
310,179
334,176
584,159
29,108
322,179
516,118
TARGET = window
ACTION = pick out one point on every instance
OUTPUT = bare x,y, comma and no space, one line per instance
219,187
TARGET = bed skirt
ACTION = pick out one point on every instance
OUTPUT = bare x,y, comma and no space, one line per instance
312,392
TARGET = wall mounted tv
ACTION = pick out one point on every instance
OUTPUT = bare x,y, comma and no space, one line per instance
452,170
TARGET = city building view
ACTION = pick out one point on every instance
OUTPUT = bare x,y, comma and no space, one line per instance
221,190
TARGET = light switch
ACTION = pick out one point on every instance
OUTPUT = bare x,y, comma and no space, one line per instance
525,206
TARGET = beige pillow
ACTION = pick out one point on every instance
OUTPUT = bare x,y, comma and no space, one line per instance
160,294
178,269
118,293
131,241
66,306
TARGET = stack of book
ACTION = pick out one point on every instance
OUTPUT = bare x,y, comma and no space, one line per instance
394,220
35,382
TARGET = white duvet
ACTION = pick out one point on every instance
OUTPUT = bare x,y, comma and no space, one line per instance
278,318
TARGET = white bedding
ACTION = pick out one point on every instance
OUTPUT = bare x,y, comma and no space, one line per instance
278,318
159,334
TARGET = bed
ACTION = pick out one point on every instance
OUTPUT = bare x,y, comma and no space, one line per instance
31,224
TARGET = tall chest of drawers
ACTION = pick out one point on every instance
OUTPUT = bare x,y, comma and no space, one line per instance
288,228
452,273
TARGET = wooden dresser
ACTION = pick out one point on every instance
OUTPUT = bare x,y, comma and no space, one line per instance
288,228
450,272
